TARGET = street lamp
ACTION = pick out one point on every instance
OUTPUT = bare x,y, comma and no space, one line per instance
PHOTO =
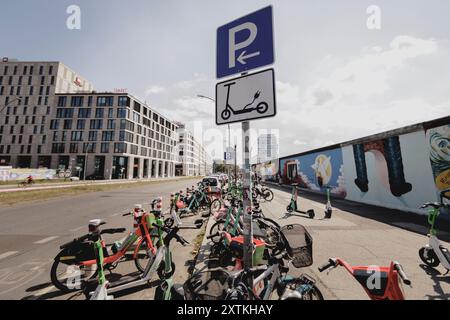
229,130
6,105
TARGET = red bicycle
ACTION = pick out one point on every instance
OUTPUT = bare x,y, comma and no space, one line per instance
380,283
75,264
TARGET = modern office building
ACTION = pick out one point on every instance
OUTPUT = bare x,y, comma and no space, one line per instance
193,160
50,117
268,148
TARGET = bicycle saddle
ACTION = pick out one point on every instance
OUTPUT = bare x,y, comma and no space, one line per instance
294,184
96,223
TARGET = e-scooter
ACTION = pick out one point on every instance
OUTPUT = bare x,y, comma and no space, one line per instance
293,206
434,253
260,108
328,208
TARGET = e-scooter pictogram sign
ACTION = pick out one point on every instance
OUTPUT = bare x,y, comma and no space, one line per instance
246,98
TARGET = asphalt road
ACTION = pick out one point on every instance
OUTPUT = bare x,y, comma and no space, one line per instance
31,233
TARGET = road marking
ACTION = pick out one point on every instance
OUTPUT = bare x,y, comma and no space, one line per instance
46,240
7,254
115,214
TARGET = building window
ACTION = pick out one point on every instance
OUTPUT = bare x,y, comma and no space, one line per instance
54,125
89,147
76,101
104,148
121,113
64,113
120,148
96,124
62,100
124,101
108,136
73,148
105,101
81,124
77,136
67,124
99,112
84,113
58,147
92,135
111,125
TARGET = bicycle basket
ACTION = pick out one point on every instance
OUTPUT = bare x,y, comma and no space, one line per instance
208,285
298,245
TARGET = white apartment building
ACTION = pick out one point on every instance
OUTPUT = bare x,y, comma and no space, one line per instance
193,160
268,148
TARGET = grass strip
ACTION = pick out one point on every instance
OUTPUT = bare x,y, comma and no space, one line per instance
11,198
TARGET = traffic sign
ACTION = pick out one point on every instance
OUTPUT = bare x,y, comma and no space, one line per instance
251,96
246,43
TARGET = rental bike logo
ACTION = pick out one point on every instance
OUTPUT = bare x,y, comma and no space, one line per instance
227,310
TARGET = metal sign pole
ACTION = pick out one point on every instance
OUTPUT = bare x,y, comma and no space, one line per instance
247,203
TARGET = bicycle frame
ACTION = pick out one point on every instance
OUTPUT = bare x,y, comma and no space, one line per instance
140,234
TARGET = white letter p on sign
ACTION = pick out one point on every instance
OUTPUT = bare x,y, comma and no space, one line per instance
233,46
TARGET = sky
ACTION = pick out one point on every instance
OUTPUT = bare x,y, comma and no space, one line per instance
336,79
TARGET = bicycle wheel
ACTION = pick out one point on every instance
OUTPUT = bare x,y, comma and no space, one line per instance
272,237
268,195
144,257
216,230
69,278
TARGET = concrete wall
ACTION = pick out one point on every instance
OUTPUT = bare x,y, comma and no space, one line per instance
400,169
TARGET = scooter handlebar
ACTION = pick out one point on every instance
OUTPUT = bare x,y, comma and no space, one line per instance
401,273
332,262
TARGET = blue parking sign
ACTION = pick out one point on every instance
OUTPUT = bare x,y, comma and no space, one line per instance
246,43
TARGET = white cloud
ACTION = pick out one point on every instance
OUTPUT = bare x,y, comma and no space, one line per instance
154,89
381,89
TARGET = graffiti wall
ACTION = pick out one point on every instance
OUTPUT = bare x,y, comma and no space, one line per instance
438,142
8,174
393,172
316,171
268,170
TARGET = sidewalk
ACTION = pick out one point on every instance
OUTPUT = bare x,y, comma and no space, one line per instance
362,235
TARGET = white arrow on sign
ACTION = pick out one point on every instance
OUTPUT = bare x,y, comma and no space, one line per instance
233,46
243,56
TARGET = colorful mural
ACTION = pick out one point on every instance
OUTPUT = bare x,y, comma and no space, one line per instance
393,172
389,164
315,171
268,170
439,143
8,174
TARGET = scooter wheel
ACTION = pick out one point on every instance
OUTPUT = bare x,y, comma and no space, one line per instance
226,114
429,257
289,209
311,214
328,214
262,107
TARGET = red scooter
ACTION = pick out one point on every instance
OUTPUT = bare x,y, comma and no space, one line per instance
380,283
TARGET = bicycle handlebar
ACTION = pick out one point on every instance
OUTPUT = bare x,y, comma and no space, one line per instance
332,262
113,231
401,273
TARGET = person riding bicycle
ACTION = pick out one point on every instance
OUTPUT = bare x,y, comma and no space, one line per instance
29,180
